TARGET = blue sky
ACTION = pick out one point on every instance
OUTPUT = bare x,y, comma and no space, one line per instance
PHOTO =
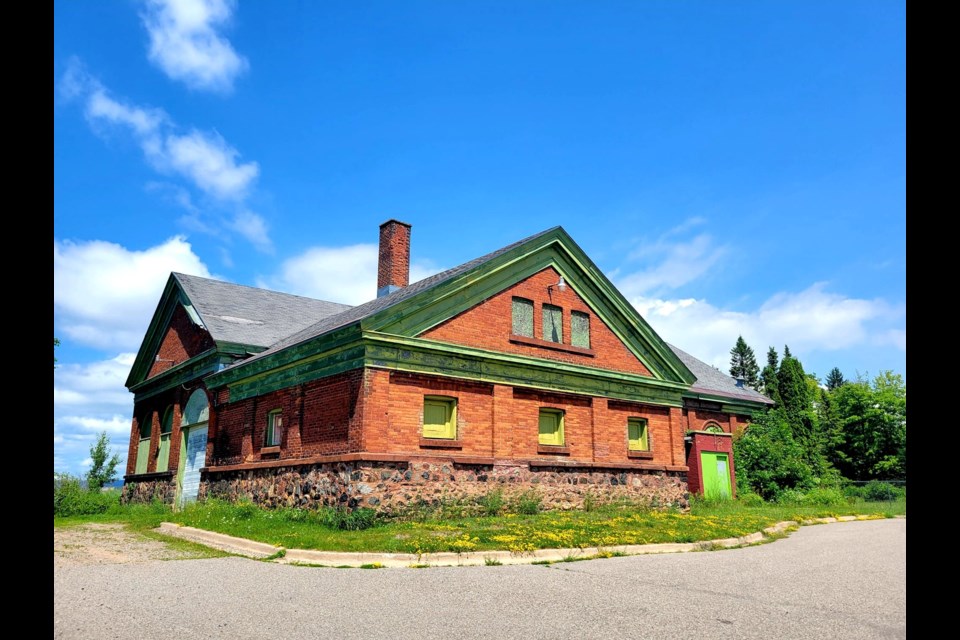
733,167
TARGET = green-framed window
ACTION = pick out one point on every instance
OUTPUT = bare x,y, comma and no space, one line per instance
163,452
552,323
440,417
274,432
551,427
638,434
580,329
522,317
143,446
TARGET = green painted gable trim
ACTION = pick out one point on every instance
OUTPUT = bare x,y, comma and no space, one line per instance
430,357
554,248
291,357
200,365
417,355
173,295
729,405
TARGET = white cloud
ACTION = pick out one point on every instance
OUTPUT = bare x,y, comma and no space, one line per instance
94,384
812,320
115,425
185,42
680,263
87,399
204,159
209,162
339,274
252,227
104,294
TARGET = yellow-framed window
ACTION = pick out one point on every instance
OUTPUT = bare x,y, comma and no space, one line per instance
440,417
551,427
638,434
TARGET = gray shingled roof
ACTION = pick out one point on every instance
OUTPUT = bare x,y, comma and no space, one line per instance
713,381
367,309
251,316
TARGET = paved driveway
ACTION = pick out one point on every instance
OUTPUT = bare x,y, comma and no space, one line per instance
844,580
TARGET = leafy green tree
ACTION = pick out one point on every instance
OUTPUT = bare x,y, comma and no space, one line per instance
769,459
103,470
743,363
869,430
834,379
768,376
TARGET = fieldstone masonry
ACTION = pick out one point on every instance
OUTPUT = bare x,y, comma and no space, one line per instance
392,487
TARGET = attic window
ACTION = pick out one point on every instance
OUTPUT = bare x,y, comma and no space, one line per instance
523,317
580,329
552,323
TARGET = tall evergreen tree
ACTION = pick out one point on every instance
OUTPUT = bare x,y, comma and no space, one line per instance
786,352
834,379
743,363
768,376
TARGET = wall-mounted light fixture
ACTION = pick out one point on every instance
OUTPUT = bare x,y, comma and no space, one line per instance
561,285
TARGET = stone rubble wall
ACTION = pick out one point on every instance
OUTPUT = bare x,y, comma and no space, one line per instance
392,487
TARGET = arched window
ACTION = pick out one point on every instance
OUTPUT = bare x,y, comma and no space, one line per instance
143,447
163,452
713,427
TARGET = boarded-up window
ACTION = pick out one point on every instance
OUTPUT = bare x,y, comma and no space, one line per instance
439,417
637,434
163,453
551,427
580,329
552,323
522,317
274,433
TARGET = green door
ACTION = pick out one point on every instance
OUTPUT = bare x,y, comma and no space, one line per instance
715,469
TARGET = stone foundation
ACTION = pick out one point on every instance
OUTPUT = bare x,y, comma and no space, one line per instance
392,487
147,490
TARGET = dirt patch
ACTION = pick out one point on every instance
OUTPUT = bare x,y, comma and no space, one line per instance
96,543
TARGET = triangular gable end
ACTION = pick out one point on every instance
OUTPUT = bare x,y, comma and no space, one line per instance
554,252
173,298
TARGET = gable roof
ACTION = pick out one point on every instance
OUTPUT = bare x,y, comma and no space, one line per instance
237,317
368,309
251,316
712,381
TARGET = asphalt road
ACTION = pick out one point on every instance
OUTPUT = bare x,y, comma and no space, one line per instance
844,580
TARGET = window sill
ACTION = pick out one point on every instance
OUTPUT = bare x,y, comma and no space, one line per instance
546,344
268,450
553,450
645,455
440,443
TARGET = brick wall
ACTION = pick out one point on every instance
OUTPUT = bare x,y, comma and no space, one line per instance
152,409
489,325
182,341
321,417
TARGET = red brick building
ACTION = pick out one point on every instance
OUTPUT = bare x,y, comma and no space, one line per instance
524,369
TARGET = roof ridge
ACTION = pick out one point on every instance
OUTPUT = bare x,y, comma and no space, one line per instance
179,274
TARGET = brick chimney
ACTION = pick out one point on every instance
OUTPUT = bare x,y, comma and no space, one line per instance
393,270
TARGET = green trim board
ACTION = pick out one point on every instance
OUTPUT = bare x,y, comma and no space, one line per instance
555,249
419,355
197,367
173,295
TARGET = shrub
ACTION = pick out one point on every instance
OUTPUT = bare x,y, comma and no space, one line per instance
346,520
71,498
825,497
877,491
492,502
527,503
791,497
750,500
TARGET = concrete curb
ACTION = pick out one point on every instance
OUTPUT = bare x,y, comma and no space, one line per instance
261,550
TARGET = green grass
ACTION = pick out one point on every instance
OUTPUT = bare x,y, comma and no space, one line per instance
604,526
